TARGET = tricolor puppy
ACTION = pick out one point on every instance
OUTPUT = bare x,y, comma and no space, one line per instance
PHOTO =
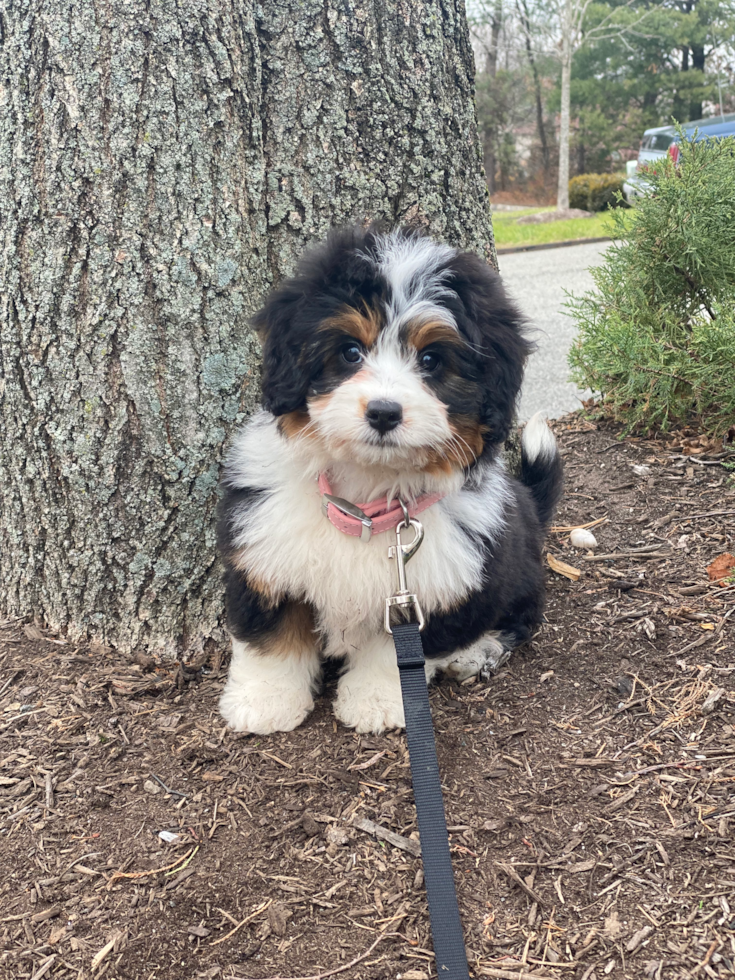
391,369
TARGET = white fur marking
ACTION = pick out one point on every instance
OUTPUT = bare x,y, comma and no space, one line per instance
265,693
411,265
538,439
369,693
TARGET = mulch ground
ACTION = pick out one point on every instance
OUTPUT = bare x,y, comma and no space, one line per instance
589,786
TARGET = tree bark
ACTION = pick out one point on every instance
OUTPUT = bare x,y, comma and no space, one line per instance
161,166
562,194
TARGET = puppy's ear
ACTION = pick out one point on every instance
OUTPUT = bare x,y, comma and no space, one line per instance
285,381
495,329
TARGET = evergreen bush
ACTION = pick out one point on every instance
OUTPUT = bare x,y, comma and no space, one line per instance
657,335
596,192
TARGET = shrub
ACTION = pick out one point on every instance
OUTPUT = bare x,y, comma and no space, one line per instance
657,336
596,192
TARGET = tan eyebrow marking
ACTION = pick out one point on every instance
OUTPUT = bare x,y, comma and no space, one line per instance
424,332
364,325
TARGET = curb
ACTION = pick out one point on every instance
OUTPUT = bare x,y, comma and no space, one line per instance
536,248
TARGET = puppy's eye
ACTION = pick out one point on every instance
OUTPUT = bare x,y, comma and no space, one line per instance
429,361
352,353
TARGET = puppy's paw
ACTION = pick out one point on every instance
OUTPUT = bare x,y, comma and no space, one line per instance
484,658
262,709
369,704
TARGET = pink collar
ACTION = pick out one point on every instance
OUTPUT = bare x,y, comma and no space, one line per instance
364,520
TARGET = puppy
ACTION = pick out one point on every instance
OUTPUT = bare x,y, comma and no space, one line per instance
391,368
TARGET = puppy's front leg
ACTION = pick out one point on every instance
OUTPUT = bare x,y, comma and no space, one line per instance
266,693
369,692
274,668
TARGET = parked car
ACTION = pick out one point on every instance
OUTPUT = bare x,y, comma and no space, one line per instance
663,140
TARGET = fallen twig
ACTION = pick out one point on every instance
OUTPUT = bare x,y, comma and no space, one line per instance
516,878
564,529
248,918
172,792
9,681
370,762
693,645
520,974
643,555
177,865
711,513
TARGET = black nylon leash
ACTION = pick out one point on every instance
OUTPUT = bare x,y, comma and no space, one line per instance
446,928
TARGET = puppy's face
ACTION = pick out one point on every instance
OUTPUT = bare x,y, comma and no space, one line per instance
392,350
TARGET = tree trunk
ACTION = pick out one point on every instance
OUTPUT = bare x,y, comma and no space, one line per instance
526,22
161,166
491,68
698,61
562,194
581,156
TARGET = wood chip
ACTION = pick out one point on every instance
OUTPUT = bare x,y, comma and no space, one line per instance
412,846
561,567
581,866
45,967
621,800
639,937
712,700
50,913
107,948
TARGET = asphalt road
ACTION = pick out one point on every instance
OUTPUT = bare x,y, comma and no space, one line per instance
537,281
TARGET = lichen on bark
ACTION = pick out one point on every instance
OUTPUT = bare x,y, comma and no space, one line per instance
161,167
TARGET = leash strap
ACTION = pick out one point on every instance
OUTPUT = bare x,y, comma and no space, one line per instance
446,928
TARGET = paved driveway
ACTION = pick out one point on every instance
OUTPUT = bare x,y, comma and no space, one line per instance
537,281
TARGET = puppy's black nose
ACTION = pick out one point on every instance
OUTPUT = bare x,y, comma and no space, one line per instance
383,415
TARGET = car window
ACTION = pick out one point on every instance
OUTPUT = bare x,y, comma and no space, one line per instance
661,141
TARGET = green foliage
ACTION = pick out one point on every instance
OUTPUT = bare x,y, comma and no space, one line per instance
596,192
657,336
666,66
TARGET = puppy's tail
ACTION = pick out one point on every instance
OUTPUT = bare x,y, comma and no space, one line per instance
542,470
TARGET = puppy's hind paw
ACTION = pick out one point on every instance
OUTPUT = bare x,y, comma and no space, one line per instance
485,658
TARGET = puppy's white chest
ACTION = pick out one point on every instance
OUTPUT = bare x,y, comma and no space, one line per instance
289,544
295,547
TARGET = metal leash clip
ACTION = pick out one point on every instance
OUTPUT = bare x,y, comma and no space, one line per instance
352,510
403,554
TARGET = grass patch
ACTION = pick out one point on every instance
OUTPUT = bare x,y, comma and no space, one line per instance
508,233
